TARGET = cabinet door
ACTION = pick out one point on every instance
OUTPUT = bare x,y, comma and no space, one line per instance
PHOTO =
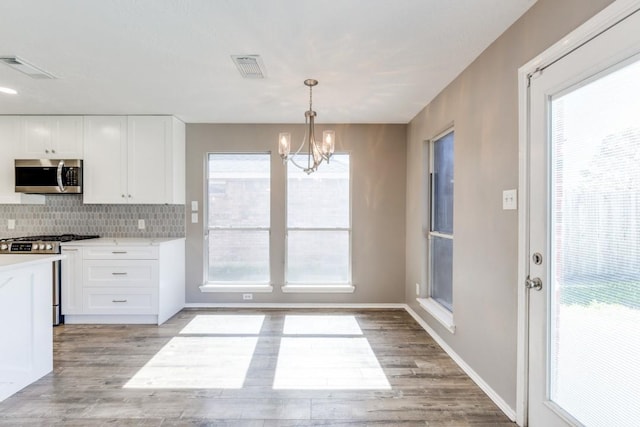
149,154
50,137
9,129
36,137
71,280
67,137
9,144
105,160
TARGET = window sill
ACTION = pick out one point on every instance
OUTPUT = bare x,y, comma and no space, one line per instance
217,287
319,289
438,312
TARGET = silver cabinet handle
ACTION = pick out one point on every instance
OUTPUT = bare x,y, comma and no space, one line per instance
118,274
119,300
69,250
118,252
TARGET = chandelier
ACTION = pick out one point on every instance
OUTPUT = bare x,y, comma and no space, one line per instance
317,151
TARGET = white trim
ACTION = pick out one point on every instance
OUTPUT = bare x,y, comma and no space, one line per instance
296,305
495,397
438,312
110,319
616,11
216,287
318,289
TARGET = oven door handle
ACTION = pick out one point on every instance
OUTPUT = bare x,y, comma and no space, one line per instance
59,176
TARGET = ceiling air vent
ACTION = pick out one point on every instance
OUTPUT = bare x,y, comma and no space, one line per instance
26,68
250,66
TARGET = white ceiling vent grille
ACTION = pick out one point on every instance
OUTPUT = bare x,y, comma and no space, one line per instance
250,66
26,68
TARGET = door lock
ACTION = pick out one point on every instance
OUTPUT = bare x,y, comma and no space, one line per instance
534,283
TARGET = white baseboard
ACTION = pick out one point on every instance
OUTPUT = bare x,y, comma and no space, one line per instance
294,305
504,406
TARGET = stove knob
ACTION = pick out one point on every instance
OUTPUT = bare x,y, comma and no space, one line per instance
49,246
4,247
35,247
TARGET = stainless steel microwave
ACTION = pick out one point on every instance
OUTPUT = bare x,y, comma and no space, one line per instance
43,176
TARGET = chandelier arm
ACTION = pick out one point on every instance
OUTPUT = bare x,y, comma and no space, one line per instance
291,157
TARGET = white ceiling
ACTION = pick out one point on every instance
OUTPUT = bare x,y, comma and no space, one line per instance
378,61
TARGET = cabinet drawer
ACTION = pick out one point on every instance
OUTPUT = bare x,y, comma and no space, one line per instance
122,273
120,301
121,252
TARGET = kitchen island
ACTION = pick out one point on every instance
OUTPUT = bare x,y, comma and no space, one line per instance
123,280
26,336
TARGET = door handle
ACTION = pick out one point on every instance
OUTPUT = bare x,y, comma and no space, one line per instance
535,283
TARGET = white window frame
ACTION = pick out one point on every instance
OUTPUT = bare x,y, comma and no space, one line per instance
439,312
240,286
311,287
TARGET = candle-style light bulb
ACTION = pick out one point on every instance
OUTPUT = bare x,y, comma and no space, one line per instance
284,144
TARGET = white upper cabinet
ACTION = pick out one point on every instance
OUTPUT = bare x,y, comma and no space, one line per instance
135,159
105,159
51,137
9,146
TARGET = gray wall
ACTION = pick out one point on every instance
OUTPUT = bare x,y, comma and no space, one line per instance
483,104
378,158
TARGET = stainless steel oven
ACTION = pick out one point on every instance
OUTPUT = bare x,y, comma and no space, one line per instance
38,245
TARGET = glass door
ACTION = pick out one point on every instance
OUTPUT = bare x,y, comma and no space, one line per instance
584,234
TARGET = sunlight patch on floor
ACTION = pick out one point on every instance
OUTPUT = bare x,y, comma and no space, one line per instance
224,324
198,362
328,364
321,325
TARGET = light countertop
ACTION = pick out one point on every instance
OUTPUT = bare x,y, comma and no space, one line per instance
122,241
9,262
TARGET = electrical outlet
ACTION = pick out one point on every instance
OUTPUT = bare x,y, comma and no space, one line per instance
247,296
11,224
417,289
510,200
141,225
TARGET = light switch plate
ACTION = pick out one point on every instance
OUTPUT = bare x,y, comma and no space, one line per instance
141,224
11,224
194,217
510,200
194,205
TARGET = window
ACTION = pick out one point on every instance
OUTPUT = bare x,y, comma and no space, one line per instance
441,217
238,218
319,224
439,234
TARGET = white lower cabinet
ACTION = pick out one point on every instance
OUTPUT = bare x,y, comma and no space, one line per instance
125,284
121,300
26,348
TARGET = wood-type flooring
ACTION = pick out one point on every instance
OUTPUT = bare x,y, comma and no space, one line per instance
250,367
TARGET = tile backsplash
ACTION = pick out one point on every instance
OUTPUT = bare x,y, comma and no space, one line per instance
62,214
